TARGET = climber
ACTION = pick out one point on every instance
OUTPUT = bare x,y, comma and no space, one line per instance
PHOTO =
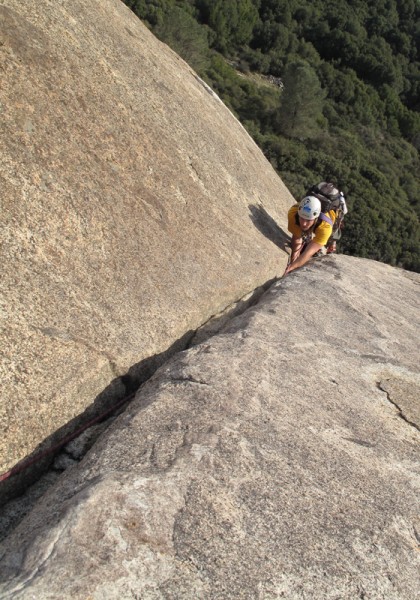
310,228
331,199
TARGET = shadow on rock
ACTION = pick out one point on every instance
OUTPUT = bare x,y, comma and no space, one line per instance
267,225
43,463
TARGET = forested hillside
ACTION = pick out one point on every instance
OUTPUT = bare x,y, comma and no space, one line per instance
329,89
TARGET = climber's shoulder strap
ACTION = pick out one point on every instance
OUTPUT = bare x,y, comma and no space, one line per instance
326,218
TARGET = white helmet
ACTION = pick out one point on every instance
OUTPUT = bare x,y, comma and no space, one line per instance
309,208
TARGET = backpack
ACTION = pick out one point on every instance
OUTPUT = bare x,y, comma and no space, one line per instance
327,194
331,199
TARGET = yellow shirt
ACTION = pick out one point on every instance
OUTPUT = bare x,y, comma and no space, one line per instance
322,232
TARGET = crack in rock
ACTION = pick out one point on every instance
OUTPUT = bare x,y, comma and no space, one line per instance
360,442
190,379
380,386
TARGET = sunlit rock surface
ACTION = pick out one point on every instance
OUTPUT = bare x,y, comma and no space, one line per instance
277,459
134,207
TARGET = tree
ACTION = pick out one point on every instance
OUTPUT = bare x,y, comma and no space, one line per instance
188,38
375,62
151,11
233,21
302,102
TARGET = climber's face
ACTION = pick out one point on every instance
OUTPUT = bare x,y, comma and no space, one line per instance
306,224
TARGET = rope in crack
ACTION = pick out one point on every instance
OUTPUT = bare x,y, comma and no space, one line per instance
19,468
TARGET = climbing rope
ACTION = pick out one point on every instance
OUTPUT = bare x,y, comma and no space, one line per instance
52,449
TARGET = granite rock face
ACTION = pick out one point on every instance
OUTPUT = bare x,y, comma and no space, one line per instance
134,207
277,459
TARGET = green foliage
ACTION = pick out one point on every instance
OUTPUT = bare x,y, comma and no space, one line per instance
184,35
349,108
232,21
151,11
302,101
